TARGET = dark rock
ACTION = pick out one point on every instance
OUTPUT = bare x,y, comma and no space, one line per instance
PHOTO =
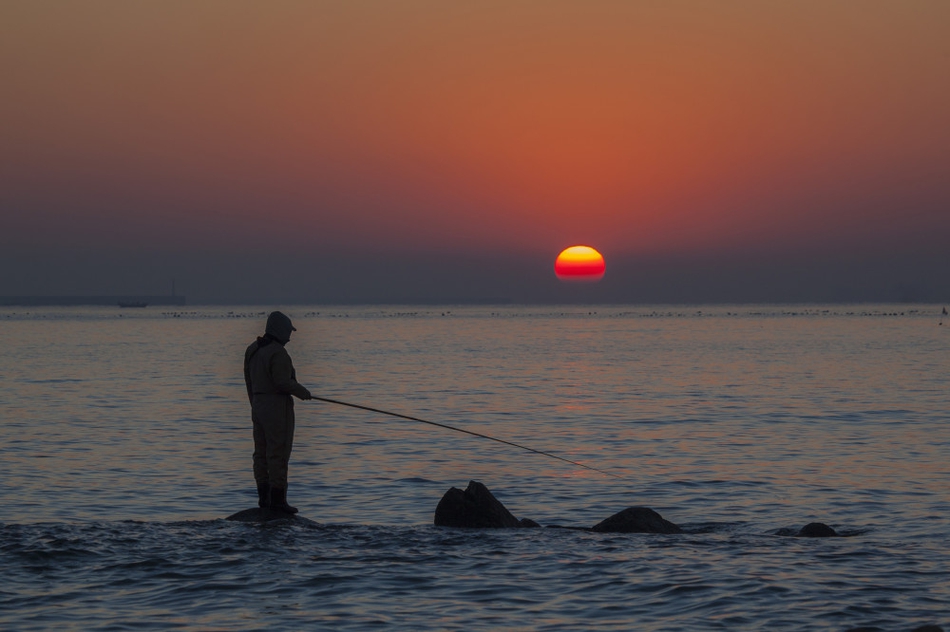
259,514
636,520
817,530
475,508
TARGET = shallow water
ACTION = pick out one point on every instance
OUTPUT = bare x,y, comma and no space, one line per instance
125,440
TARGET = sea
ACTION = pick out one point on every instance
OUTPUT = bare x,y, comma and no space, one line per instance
125,442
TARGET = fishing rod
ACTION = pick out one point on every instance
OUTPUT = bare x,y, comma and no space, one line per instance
469,432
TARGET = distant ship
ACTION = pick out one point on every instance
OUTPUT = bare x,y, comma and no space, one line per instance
133,304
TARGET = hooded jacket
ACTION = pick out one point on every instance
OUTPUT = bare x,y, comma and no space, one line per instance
268,369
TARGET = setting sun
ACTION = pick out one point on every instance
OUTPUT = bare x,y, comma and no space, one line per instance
579,263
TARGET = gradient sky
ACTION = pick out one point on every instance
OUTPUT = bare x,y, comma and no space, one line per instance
739,150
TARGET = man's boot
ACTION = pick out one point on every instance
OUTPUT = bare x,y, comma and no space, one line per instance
278,501
263,495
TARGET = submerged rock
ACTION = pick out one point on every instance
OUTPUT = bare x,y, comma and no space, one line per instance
813,530
258,514
636,520
816,530
475,508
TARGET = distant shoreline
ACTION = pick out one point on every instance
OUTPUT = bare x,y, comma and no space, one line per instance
75,301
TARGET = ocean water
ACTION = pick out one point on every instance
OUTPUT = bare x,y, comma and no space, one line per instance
125,440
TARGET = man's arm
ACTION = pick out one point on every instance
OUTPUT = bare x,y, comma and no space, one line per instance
247,371
282,374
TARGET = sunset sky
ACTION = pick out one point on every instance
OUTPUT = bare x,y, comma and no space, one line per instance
381,150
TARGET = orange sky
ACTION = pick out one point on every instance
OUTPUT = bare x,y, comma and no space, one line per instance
643,128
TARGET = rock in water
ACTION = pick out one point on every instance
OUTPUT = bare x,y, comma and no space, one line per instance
817,530
475,508
258,514
636,520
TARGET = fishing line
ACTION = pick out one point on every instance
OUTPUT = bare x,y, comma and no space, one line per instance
469,432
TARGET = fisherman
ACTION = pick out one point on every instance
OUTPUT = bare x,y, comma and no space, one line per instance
271,380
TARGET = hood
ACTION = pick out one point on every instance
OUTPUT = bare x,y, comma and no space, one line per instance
279,326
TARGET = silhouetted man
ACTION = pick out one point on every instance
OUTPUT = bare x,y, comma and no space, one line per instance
271,381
